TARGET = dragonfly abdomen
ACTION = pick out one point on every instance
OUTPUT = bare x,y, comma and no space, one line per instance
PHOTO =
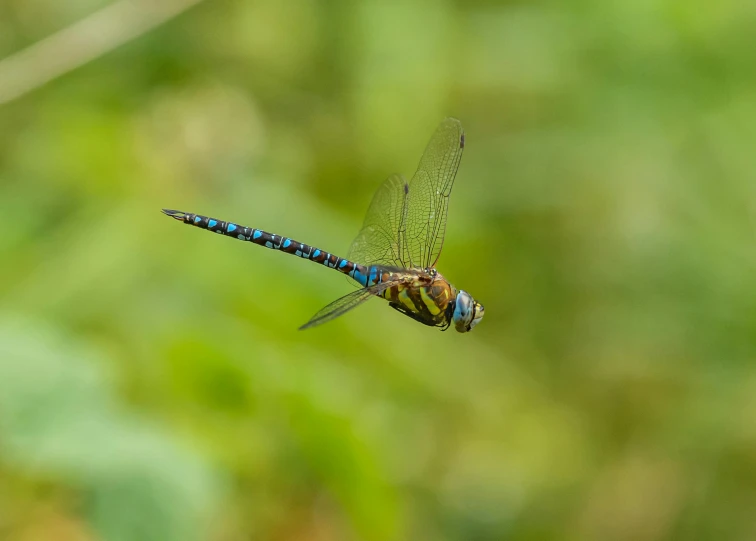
274,242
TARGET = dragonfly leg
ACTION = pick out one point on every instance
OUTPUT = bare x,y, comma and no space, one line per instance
416,317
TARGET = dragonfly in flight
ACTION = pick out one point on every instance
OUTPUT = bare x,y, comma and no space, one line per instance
395,253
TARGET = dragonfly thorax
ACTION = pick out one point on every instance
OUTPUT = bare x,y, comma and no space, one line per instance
422,295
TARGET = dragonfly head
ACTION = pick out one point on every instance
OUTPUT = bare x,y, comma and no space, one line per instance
467,312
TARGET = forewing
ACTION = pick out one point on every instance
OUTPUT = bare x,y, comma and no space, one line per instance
429,190
342,305
381,239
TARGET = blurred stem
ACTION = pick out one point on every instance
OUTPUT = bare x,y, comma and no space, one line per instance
83,42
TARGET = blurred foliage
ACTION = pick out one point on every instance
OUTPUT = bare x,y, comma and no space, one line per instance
152,381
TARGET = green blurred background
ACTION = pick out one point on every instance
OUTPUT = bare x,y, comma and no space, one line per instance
153,385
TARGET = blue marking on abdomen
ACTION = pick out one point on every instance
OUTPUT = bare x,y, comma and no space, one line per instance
359,277
197,219
373,275
212,223
230,228
241,237
316,253
257,234
287,243
343,263
268,244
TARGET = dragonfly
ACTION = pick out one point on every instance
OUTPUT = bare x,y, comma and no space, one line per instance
395,253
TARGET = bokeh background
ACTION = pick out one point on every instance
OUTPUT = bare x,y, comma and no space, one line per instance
153,385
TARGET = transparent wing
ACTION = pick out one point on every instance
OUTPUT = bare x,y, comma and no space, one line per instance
380,241
405,223
343,304
428,200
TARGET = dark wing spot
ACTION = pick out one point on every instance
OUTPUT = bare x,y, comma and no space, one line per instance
462,141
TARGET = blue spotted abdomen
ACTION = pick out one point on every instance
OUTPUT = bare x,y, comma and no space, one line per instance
274,242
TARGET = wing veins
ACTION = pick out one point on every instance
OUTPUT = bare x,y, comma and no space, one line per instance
344,304
405,224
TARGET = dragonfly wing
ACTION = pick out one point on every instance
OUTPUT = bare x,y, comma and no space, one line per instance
381,239
428,198
343,304
405,223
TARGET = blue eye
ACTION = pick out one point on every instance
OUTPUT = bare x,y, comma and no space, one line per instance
463,311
